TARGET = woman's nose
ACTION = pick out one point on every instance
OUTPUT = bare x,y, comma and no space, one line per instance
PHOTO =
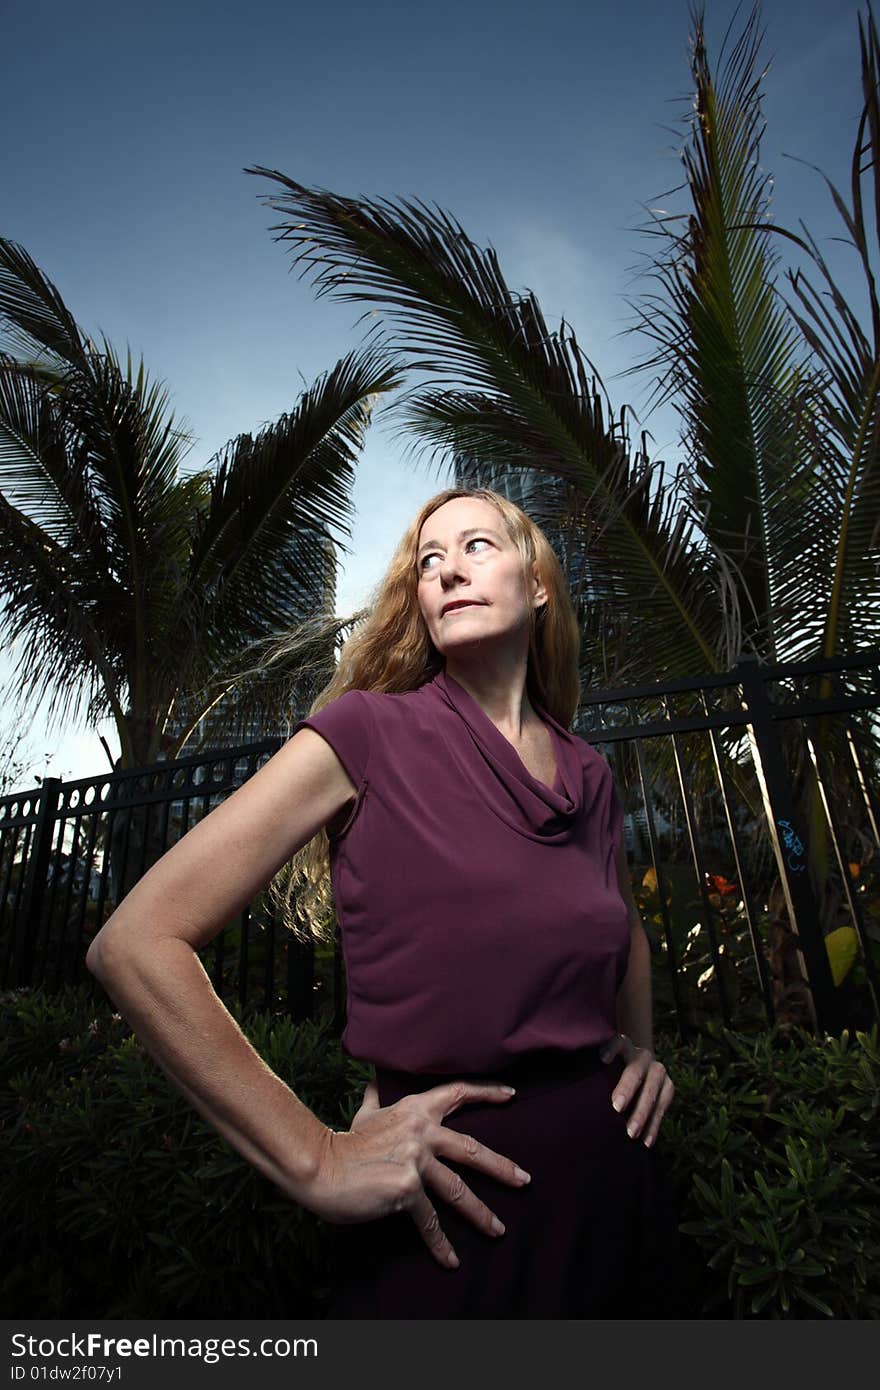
451,566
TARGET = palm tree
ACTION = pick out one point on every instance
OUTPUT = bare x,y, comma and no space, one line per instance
779,399
778,406
764,542
135,586
140,591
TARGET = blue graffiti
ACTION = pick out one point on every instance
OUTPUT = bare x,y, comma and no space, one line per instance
794,845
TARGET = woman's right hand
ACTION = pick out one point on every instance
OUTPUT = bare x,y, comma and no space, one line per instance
384,1163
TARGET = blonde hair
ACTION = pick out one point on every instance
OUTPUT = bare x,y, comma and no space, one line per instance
390,650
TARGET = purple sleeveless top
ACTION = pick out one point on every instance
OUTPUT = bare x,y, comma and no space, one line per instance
479,909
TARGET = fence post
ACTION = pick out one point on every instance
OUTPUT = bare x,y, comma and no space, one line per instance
788,847
31,911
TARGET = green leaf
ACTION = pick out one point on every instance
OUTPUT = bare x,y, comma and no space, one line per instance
812,1300
761,1300
842,946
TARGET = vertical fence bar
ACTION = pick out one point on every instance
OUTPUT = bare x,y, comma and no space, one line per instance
94,817
146,821
660,879
738,859
788,848
166,817
31,905
859,925
29,831
700,870
872,808
9,845
339,993
46,976
60,970
269,937
300,978
128,812
55,875
107,815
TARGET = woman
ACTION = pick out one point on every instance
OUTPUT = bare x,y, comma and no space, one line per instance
490,942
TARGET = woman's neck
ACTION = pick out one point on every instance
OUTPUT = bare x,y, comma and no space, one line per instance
503,698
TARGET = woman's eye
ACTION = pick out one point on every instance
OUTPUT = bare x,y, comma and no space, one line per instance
472,541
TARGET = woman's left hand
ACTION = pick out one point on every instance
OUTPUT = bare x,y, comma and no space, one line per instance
644,1080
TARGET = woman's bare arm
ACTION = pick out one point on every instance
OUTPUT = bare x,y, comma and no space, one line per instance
145,956
644,1083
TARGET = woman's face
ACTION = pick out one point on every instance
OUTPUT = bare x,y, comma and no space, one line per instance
466,557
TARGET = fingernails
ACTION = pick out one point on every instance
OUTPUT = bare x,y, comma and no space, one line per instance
522,1175
632,1131
649,1141
511,1090
453,1259
618,1102
497,1226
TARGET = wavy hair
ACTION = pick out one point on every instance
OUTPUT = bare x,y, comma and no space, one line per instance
390,650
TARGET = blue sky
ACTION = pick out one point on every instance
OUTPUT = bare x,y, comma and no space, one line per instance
543,129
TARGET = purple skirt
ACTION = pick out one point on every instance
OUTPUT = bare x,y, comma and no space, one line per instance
593,1235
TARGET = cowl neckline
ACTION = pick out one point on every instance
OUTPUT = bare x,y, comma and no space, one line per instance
500,775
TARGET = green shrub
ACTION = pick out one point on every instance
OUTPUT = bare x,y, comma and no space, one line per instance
119,1200
774,1145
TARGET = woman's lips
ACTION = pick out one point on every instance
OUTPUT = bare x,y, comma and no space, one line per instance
458,608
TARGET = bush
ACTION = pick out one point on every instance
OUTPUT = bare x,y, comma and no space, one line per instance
774,1145
120,1201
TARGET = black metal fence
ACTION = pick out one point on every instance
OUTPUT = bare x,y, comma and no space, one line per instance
751,821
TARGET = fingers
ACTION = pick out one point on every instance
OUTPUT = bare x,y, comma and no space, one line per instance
664,1101
452,1094
370,1099
632,1076
432,1233
369,1104
654,1099
454,1190
463,1147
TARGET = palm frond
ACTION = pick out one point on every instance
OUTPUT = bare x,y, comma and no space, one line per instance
263,541
56,604
42,468
266,686
35,323
845,416
723,343
458,322
514,386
